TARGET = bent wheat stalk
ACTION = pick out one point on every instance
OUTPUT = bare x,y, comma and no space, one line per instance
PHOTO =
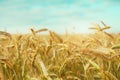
6,34
40,30
100,54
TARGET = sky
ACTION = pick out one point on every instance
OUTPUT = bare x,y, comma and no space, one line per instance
58,15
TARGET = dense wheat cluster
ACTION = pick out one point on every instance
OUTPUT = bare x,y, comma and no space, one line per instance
36,56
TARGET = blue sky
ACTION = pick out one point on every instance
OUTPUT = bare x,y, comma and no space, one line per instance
58,15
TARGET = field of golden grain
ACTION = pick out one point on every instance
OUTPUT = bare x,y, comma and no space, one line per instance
35,56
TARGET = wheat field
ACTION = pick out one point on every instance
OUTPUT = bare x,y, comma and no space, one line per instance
36,56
